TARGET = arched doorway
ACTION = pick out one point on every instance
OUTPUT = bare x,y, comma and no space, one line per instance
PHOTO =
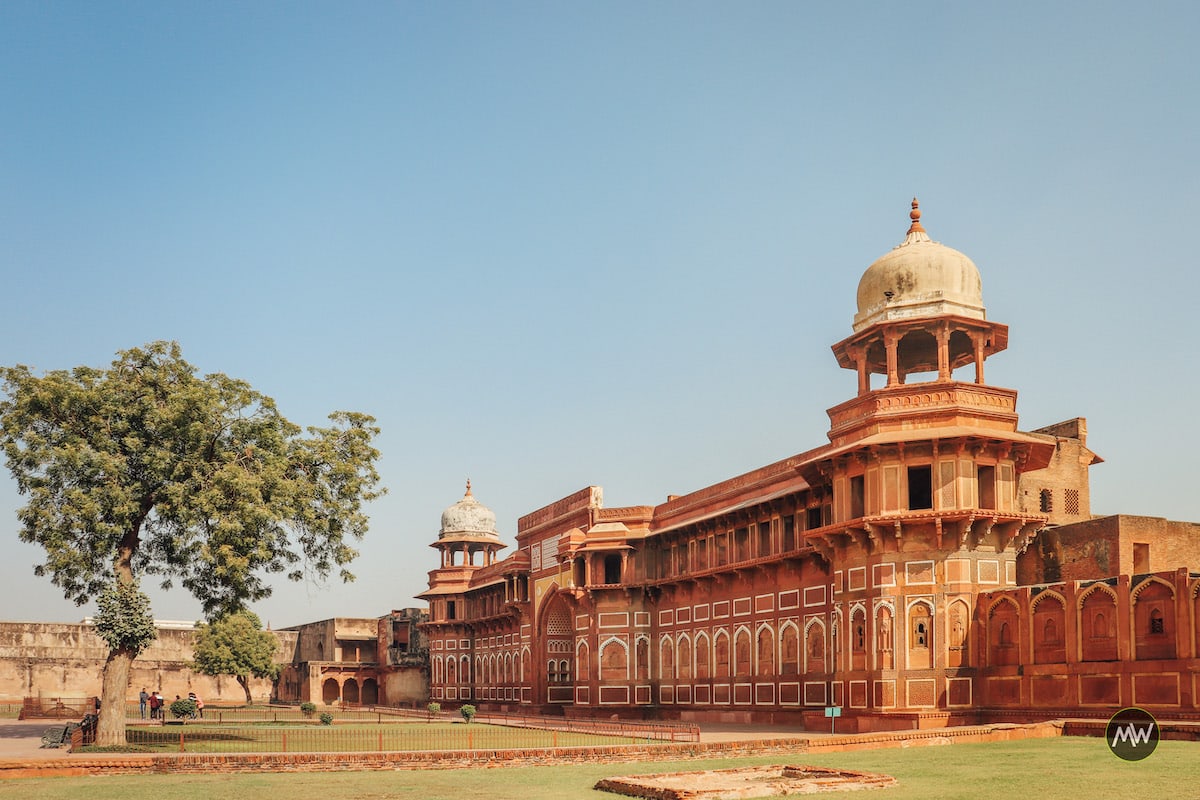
558,632
370,692
350,691
330,692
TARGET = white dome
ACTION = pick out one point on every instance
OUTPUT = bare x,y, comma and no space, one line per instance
468,517
919,278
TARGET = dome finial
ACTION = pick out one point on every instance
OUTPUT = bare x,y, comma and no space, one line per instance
468,494
915,216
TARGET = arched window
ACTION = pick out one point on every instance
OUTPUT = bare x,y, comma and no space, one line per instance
920,637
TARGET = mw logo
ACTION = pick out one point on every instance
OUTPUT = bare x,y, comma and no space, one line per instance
1133,734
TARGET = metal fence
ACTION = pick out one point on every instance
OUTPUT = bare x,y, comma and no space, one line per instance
195,737
57,707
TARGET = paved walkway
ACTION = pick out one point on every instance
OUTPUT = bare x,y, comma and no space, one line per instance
23,739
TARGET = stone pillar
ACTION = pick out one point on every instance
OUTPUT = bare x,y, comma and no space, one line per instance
977,340
890,344
943,353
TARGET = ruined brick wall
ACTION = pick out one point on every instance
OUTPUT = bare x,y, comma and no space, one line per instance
67,660
1108,546
1083,551
1168,544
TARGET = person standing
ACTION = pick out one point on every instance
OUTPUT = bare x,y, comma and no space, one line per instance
143,699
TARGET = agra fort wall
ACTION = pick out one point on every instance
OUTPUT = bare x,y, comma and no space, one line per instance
67,660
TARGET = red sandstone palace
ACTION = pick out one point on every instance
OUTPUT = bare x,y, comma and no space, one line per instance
930,564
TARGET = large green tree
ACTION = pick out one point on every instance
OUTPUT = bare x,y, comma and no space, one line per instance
236,645
147,468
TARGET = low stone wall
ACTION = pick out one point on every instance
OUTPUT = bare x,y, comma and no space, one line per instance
185,763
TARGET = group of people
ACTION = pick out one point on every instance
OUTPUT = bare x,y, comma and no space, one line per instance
156,704
153,701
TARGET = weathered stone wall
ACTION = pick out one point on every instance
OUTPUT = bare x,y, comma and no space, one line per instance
405,687
1062,489
1109,546
67,660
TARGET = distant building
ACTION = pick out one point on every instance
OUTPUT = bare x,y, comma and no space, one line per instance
358,661
899,571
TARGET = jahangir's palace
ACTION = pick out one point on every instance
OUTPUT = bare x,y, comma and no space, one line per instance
930,564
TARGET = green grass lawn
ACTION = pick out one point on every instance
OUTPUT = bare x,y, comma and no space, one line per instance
1042,769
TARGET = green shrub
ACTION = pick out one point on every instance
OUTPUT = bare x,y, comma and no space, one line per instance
326,718
434,709
468,712
183,708
308,709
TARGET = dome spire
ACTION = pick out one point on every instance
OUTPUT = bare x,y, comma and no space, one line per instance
915,216
916,233
468,494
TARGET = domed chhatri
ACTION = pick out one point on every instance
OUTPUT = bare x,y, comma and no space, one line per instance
468,517
919,278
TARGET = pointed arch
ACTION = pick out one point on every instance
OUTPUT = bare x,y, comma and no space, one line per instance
1154,633
583,661
859,636
722,663
743,652
885,636
958,624
920,634
1003,629
703,656
666,658
614,660
789,648
683,657
641,657
814,646
1049,627
765,650
1097,624
837,641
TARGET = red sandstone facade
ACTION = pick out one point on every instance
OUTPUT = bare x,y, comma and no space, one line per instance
883,572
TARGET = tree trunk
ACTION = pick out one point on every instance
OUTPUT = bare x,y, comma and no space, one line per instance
245,682
111,730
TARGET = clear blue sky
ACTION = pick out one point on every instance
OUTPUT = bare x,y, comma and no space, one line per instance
550,245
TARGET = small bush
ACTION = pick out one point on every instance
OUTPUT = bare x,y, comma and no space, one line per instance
308,709
434,709
183,708
326,718
468,712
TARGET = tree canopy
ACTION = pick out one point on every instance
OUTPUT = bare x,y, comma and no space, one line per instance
146,468
236,645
